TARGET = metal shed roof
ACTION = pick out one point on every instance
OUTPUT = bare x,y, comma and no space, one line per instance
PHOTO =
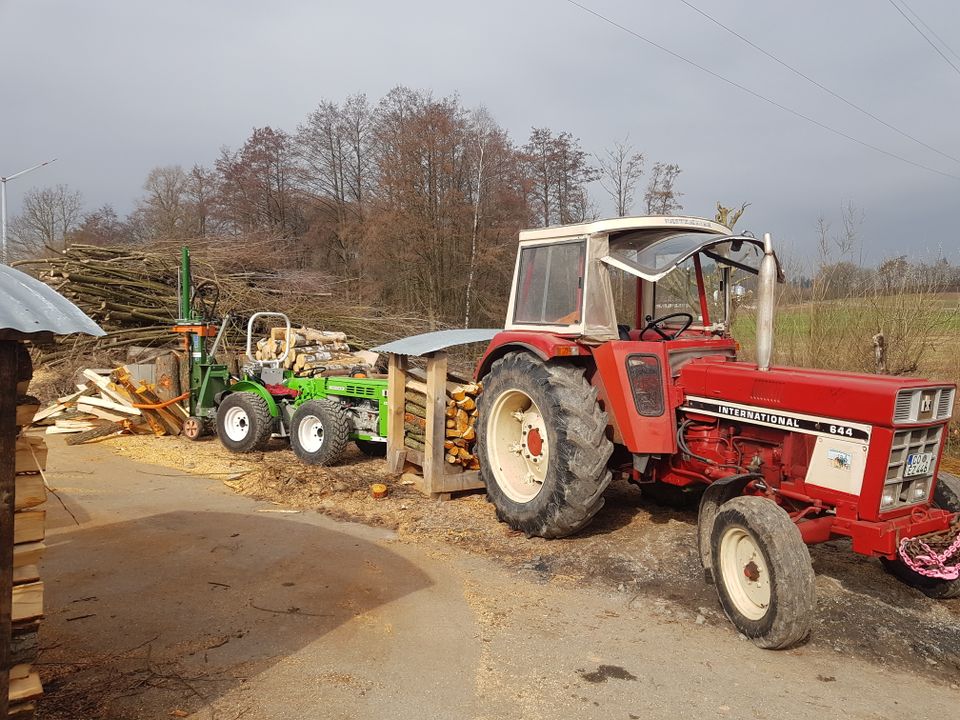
436,341
29,306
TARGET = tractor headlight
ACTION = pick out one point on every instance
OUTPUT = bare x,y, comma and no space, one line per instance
919,490
889,496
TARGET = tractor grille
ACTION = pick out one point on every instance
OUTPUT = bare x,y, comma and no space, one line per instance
923,405
901,489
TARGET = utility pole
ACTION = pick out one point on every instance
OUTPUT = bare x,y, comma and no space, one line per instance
3,206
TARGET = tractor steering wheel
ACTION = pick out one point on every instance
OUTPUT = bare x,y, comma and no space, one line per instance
654,324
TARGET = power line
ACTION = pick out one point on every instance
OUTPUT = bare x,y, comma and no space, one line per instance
757,95
932,31
819,85
925,37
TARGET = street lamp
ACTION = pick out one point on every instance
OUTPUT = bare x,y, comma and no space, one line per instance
3,206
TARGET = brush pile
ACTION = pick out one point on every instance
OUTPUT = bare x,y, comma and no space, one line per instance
131,292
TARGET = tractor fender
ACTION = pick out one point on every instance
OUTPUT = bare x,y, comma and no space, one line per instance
716,494
247,386
543,345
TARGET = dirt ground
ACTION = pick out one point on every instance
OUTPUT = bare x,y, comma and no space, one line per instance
634,546
171,595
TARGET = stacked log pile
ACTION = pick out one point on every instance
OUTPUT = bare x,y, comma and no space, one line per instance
461,418
132,293
29,528
314,352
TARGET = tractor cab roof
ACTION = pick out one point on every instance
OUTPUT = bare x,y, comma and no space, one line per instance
654,225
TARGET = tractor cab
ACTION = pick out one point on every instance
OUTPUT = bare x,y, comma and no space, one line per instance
640,279
641,297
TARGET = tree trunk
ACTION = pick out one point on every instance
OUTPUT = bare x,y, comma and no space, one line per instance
168,376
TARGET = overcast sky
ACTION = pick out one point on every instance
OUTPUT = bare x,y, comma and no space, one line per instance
115,87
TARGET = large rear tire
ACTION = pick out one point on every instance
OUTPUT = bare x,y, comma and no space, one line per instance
244,423
319,432
541,438
763,572
946,496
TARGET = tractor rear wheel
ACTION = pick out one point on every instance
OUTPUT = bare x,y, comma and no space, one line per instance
541,438
946,496
319,432
763,572
244,423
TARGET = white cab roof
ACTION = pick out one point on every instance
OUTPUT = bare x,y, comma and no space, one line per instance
625,224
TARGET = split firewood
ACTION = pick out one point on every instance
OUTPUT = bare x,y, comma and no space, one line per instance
415,419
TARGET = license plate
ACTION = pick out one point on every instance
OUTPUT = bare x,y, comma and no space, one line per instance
918,464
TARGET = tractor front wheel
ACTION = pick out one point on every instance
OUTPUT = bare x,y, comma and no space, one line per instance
763,572
542,441
319,432
244,423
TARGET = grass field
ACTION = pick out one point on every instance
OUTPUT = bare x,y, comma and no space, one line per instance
921,335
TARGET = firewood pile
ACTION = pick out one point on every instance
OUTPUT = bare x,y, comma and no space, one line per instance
314,352
29,529
132,293
461,418
108,405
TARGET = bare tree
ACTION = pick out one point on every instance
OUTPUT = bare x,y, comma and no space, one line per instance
164,205
558,172
620,170
662,197
256,185
101,227
200,193
729,217
47,217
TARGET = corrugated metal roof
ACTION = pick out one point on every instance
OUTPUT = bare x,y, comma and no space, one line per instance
439,340
29,306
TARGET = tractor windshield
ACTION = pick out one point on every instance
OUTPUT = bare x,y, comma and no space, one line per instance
637,255
705,276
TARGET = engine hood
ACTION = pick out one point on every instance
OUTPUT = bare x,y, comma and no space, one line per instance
869,399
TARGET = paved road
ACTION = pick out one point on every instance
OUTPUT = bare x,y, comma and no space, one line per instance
173,595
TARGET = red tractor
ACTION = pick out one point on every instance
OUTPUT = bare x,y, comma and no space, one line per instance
780,457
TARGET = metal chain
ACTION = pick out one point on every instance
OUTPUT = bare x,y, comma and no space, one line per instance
922,556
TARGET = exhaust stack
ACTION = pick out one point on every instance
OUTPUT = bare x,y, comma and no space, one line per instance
766,289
